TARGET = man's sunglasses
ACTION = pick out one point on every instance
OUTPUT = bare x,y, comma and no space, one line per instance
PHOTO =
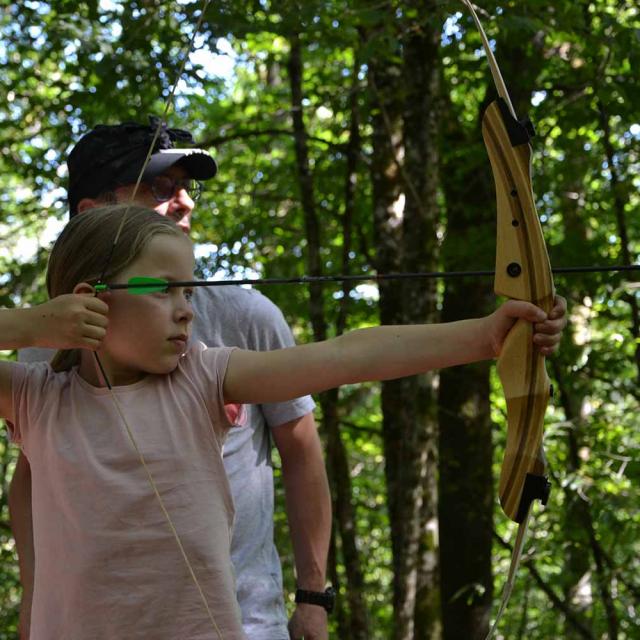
164,188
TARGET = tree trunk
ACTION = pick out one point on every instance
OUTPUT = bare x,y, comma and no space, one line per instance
465,481
421,129
404,179
337,464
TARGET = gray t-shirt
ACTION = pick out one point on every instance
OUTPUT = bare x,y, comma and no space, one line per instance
232,316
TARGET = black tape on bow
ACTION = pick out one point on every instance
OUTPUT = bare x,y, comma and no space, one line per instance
520,131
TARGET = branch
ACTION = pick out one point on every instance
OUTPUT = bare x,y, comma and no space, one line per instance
273,132
557,602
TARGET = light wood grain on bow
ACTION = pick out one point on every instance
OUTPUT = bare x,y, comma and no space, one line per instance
523,272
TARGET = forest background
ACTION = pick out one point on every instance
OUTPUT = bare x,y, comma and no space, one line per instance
347,136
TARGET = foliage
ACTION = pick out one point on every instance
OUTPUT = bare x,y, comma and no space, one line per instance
65,66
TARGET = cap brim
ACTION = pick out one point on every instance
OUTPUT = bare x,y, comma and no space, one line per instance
196,162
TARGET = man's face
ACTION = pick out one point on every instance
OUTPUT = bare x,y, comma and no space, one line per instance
179,207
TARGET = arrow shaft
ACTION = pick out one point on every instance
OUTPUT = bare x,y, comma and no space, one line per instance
363,278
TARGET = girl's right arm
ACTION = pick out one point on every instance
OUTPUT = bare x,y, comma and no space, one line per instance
73,321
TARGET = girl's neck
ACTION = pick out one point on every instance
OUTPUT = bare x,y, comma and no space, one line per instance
118,376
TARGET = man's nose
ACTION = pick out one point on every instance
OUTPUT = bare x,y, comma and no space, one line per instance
181,209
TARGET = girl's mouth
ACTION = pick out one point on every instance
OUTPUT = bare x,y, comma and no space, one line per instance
180,342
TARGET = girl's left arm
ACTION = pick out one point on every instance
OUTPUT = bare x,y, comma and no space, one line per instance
377,353
14,334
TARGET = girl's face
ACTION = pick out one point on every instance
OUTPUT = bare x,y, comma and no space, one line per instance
148,333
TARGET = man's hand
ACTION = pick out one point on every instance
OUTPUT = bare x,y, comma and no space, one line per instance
308,622
71,321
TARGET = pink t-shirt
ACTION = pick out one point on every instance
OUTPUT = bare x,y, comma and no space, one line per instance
107,566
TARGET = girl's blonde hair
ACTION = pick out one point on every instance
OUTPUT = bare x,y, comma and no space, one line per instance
83,249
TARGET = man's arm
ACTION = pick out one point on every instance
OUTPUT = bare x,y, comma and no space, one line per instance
22,527
309,513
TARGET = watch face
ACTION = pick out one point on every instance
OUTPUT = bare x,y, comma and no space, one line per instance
330,595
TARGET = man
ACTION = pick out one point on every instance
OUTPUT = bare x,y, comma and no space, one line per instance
103,168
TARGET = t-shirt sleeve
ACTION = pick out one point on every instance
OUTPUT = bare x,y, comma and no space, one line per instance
28,392
233,316
269,330
35,354
207,367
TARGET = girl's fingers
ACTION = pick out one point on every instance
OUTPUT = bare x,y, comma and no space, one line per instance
547,344
525,310
96,319
93,345
550,326
93,332
547,340
97,306
557,320
559,308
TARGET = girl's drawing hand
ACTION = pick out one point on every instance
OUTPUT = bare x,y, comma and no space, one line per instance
71,321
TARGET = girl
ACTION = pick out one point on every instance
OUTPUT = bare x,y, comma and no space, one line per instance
107,564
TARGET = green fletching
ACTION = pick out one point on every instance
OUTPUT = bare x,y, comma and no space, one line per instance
142,284
99,288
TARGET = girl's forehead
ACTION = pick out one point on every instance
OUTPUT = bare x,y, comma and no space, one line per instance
167,251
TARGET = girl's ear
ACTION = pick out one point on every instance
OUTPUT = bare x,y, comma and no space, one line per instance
87,203
83,287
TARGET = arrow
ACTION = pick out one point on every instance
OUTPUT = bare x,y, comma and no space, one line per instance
141,285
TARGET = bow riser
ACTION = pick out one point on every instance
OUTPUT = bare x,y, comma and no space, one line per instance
523,272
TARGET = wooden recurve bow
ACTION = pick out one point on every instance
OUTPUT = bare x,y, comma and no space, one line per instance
523,272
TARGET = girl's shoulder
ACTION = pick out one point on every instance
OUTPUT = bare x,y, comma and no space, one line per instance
203,370
204,361
38,373
36,390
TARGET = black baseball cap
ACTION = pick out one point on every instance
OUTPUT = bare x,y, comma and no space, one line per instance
113,155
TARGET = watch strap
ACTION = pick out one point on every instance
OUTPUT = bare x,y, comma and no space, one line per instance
325,599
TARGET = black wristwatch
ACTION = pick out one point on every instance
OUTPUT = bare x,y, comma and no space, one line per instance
325,599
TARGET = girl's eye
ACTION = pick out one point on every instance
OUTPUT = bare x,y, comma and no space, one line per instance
188,295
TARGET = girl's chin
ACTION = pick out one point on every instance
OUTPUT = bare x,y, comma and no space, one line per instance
167,365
